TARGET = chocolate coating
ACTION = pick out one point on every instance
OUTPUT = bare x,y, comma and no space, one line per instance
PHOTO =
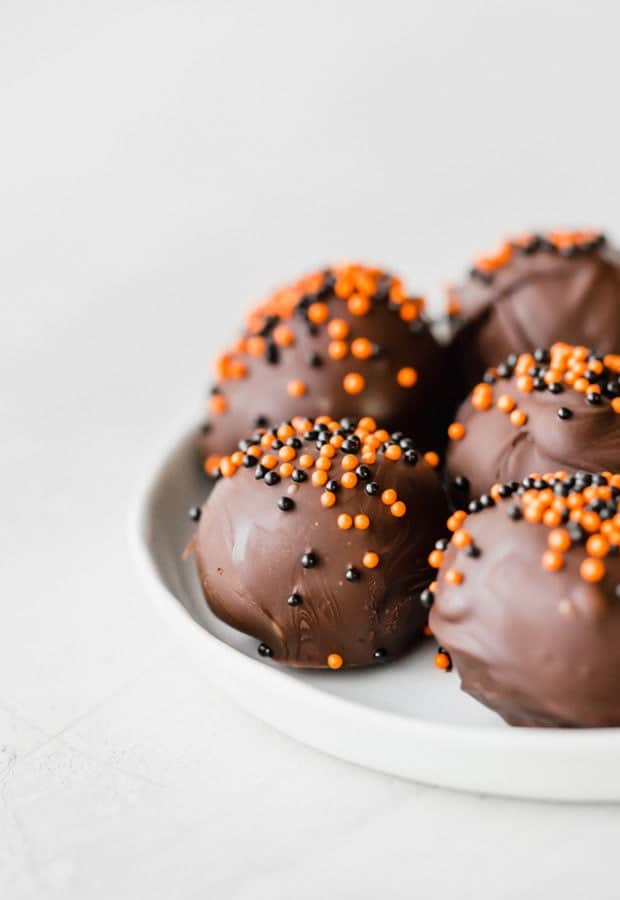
261,396
541,648
537,297
493,449
297,582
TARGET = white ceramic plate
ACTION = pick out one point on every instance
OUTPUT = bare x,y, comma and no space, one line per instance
404,718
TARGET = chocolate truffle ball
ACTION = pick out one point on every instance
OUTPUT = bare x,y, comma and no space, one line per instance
526,605
538,412
347,341
534,291
315,541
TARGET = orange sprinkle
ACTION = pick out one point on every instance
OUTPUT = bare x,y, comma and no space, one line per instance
285,432
370,560
337,349
361,348
409,311
335,661
456,519
482,396
227,467
358,305
454,576
343,287
591,521
323,463
353,383
398,509
456,431
432,459
327,451
559,539
269,461
237,457
435,559
597,545
362,522
525,383
461,538
349,462
552,560
305,461
285,470
338,329
592,570
255,345
328,498
518,417
287,453
551,518
283,336
344,521
506,403
218,404
369,457
389,496
393,452
319,478
407,377
367,424
615,404
318,313
348,480
442,661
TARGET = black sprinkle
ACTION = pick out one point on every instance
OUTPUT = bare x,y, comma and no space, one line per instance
565,413
309,560
352,574
294,600
372,488
264,650
272,354
286,504
426,598
271,478
380,654
195,513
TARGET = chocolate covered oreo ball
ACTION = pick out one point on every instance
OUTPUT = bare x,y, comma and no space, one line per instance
347,341
526,605
315,541
538,412
536,290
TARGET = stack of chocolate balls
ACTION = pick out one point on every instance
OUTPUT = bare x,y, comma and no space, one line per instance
367,475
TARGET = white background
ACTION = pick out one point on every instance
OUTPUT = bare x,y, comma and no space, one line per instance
162,164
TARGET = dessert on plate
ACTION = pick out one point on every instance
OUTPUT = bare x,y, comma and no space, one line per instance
315,541
537,412
532,291
526,602
344,341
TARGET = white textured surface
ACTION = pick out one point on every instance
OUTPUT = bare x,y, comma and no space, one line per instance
157,159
